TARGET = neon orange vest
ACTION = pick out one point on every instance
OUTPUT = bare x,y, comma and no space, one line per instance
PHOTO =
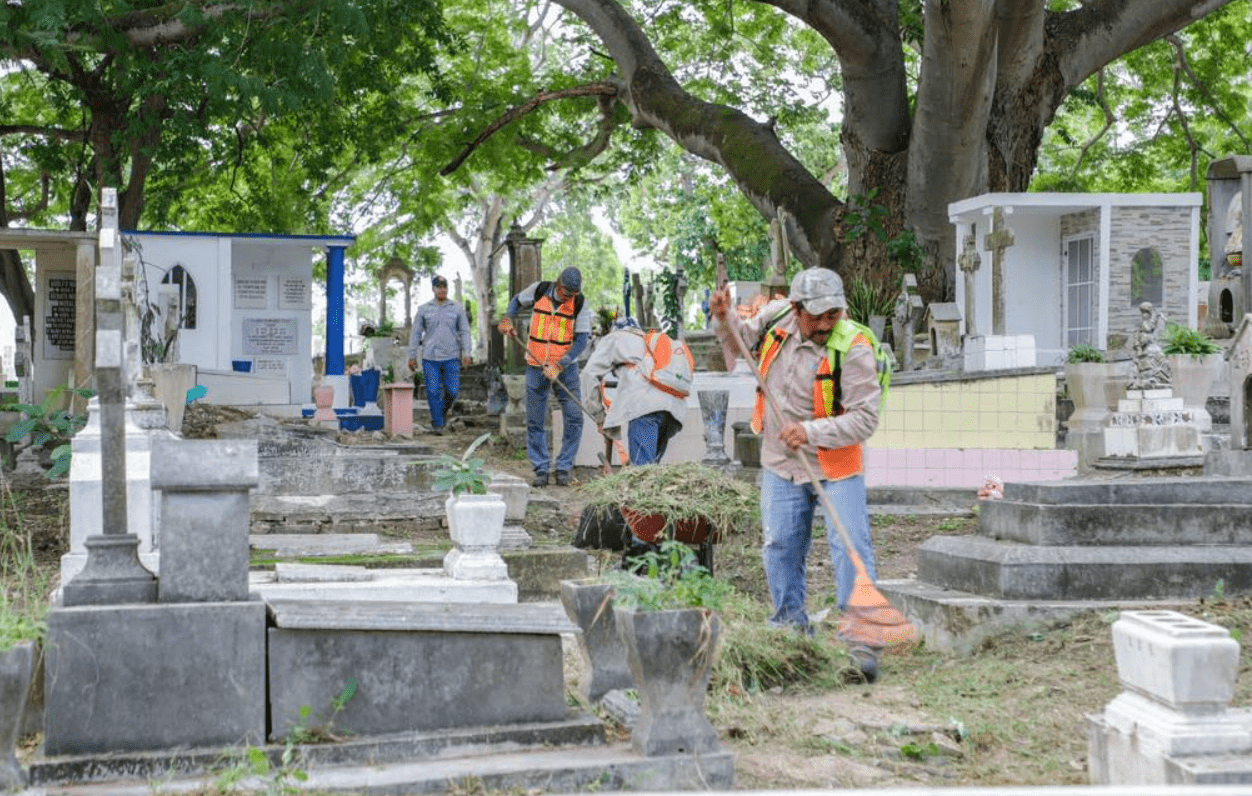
835,462
551,331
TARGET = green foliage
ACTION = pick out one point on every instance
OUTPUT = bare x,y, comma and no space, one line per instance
464,475
865,300
916,751
47,424
1084,353
24,588
320,729
673,580
1179,339
864,217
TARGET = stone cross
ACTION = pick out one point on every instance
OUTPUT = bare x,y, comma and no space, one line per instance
969,262
999,239
908,313
112,573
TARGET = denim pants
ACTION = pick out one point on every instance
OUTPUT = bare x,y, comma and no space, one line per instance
787,522
649,435
537,390
443,385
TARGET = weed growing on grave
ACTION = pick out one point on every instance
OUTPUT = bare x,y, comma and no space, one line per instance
253,763
305,730
672,579
464,474
24,586
45,424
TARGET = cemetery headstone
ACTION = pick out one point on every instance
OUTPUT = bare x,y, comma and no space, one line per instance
907,315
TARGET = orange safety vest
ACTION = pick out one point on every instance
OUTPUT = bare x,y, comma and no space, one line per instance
551,331
836,463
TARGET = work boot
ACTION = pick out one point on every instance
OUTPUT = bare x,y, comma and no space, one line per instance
562,479
865,661
541,479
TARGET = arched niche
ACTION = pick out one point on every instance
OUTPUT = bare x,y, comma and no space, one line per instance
397,270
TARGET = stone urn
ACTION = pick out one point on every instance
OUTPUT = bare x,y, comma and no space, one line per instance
589,605
1095,388
16,669
671,655
1193,378
476,523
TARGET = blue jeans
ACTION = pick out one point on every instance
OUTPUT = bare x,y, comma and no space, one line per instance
787,522
443,385
649,435
537,389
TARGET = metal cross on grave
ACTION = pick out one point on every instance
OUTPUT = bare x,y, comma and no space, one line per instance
999,239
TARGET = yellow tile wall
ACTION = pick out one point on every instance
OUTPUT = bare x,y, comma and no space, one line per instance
1016,411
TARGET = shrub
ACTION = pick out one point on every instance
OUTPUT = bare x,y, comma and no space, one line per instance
1181,339
1084,353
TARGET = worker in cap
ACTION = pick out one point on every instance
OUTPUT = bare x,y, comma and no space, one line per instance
560,326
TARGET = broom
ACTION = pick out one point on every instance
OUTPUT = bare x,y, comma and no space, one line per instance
869,618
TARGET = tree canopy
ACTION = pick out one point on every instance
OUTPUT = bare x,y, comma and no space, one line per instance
941,100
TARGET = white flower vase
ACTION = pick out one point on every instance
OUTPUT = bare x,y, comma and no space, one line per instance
476,523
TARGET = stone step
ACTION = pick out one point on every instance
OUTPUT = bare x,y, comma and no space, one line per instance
295,545
506,768
958,621
1006,570
1221,522
1096,491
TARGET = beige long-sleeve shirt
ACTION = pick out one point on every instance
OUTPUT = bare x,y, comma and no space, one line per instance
789,387
621,354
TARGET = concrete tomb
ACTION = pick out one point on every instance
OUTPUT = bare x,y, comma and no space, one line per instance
1173,724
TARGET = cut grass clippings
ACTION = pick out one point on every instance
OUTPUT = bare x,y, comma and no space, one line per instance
683,492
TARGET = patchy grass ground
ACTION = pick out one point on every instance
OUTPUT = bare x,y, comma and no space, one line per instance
1010,714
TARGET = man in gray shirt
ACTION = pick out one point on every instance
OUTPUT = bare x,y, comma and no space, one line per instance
441,331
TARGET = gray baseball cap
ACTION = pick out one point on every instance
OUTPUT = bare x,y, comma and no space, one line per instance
820,290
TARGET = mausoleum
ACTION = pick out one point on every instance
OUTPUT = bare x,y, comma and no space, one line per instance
1073,268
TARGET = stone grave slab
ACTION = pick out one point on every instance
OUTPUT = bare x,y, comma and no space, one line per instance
127,678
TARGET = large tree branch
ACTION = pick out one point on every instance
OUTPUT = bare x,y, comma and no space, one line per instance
153,27
602,89
766,173
578,157
1215,107
865,35
43,131
1101,31
1109,119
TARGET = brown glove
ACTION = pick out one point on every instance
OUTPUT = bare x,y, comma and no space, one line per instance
506,326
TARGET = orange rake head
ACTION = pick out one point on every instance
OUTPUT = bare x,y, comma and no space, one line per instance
869,619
